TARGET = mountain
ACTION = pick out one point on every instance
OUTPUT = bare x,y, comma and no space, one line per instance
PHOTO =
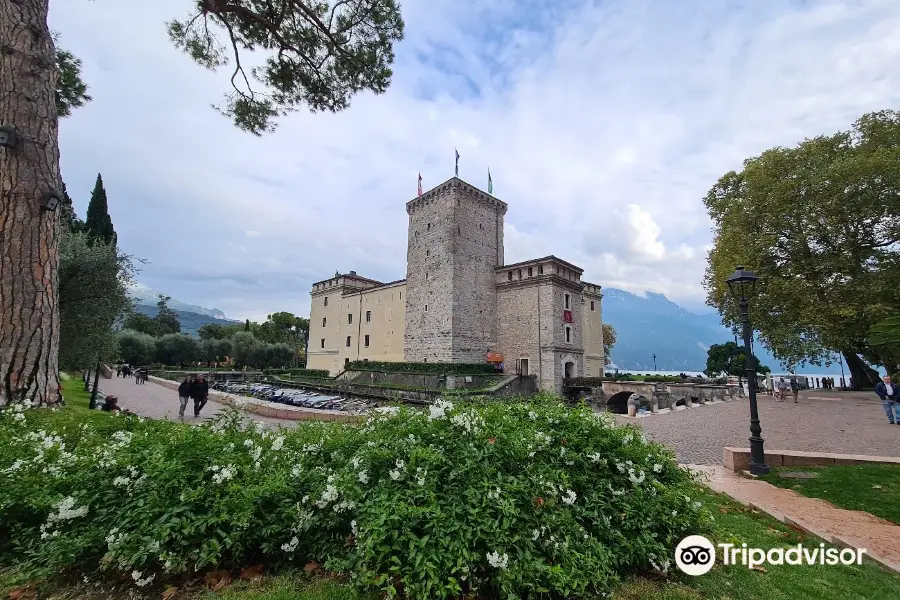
143,295
191,322
653,324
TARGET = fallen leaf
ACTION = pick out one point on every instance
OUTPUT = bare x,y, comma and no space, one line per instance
876,487
758,568
169,592
22,593
218,579
311,567
253,573
724,510
491,440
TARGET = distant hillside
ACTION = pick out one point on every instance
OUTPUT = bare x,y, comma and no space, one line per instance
191,322
144,295
679,338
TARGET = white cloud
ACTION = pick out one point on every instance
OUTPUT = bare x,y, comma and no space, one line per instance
603,125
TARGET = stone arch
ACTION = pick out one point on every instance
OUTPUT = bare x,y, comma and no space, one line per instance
568,358
618,403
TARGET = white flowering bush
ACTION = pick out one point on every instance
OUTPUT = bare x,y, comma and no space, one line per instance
506,500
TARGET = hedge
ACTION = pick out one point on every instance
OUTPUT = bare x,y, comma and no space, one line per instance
298,372
423,367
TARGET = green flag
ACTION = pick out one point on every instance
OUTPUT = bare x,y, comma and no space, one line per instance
490,183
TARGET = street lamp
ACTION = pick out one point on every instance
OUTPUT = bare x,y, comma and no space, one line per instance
742,283
654,362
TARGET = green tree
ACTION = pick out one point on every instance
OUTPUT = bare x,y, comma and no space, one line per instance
98,223
730,359
224,349
820,224
93,284
135,347
71,91
243,348
137,321
166,319
885,337
211,331
68,219
177,349
247,325
315,55
609,340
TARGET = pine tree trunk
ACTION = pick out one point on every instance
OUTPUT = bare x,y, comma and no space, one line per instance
29,244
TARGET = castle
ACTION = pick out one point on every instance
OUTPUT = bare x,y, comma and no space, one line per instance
460,303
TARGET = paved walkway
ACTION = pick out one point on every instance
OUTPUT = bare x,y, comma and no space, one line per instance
849,528
157,402
835,422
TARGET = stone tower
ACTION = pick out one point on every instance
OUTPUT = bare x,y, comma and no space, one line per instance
455,243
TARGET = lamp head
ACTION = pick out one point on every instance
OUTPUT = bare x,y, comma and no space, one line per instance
742,283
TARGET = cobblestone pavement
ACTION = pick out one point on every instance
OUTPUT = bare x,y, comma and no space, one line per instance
157,402
837,422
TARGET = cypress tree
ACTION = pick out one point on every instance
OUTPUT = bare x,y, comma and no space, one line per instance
98,223
247,325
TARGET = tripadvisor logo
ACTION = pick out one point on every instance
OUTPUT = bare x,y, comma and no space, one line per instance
696,555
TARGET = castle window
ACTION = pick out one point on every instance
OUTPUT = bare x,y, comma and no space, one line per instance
540,269
348,340
326,300
426,308
323,342
350,317
401,295
530,272
426,275
520,273
427,252
567,302
459,231
509,275
568,334
429,227
367,340
592,305
323,321
369,314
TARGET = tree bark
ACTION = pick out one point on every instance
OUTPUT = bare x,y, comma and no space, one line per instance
863,375
29,236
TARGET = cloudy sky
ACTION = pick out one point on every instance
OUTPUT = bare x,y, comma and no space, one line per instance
603,124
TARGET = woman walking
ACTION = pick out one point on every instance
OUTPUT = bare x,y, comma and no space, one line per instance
184,394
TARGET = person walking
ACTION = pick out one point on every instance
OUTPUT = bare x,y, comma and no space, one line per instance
184,394
889,392
795,389
780,390
199,392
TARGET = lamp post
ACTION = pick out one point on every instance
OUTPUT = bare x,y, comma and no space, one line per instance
742,283
654,362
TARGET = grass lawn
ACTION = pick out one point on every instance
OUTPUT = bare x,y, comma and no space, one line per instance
872,488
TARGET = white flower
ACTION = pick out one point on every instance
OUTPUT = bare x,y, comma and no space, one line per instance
439,409
532,415
278,444
356,462
628,438
136,575
305,499
674,513
635,479
542,438
594,457
296,470
420,476
353,527
121,481
14,467
329,495
363,476
697,505
657,467
570,497
494,494
499,561
222,474
535,534
292,545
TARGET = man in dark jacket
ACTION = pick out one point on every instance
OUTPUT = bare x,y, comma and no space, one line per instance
199,392
184,392
889,392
